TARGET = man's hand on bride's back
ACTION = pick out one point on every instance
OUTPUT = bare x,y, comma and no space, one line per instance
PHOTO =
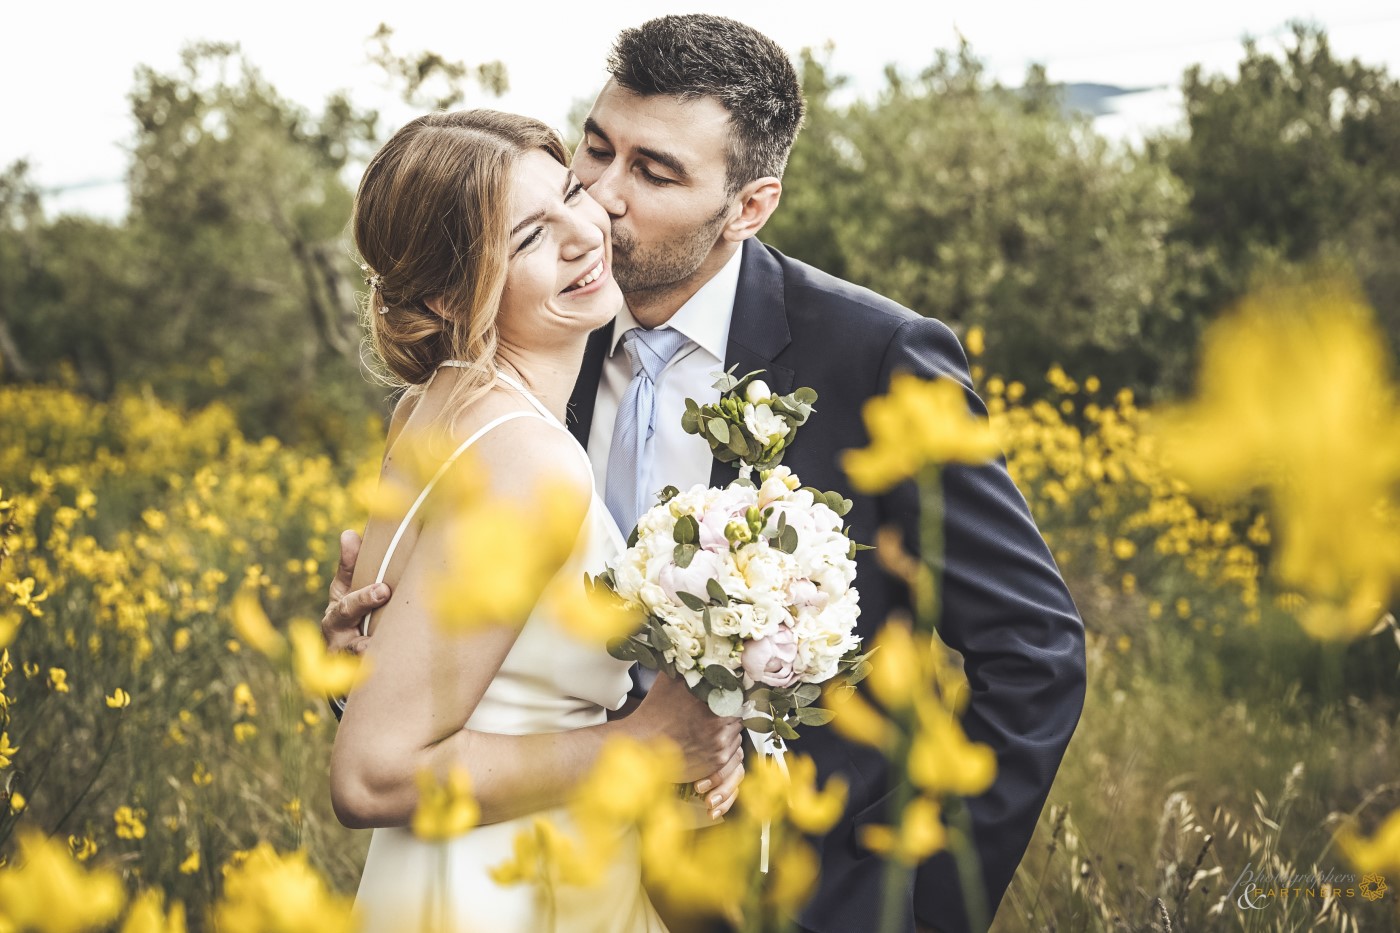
340,626
711,747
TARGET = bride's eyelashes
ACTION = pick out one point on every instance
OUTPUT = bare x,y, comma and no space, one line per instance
535,234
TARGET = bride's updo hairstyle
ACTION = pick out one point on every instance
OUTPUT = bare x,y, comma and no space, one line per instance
431,222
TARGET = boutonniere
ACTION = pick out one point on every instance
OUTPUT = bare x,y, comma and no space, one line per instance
749,423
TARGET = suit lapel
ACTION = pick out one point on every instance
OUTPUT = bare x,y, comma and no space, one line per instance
758,330
580,412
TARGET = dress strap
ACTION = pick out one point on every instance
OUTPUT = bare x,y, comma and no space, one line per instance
422,496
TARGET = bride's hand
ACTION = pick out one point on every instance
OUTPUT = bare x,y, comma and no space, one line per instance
720,789
706,742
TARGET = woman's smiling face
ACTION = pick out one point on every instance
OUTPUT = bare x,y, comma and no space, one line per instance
559,281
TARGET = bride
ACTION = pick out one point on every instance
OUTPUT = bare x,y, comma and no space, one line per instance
489,265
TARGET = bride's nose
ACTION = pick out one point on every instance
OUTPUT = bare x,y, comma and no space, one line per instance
582,237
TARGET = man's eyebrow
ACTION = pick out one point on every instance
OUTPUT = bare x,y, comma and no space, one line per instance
591,127
666,159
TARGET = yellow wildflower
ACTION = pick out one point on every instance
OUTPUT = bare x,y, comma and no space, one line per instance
943,761
856,718
320,673
9,627
810,810
180,640
271,893
243,702
253,626
917,424
23,592
7,751
244,731
130,822
58,680
896,666
48,890
148,915
201,777
920,834
1379,853
190,865
595,615
1299,382
119,699
975,341
82,847
445,809
505,557
544,854
17,802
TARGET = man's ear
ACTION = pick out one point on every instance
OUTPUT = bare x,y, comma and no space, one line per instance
757,200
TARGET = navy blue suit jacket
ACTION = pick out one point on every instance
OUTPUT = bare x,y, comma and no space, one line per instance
1005,606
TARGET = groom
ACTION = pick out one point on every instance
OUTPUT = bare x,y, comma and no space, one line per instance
685,148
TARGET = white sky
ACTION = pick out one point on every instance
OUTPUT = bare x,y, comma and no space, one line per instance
67,66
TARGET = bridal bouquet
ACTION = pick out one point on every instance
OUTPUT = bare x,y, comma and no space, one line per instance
746,589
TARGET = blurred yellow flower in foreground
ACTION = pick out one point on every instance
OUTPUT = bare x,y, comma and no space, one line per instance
273,893
7,751
119,699
320,673
446,809
811,810
1296,398
47,890
917,424
505,556
253,626
545,855
1380,853
919,835
594,615
148,915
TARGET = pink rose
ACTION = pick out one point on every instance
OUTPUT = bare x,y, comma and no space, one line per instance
703,568
770,660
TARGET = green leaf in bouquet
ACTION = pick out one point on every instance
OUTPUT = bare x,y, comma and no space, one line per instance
725,703
725,455
814,716
705,618
807,693
760,697
780,702
806,395
687,530
690,420
684,554
760,724
858,673
716,592
783,729
646,657
632,538
624,649
719,429
667,494
656,634
787,540
691,601
740,444
722,677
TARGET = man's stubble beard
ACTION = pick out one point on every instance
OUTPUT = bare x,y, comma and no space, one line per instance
646,273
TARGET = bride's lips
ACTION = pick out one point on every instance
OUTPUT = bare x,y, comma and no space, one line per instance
599,273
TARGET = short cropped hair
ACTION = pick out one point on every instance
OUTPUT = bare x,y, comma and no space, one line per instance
699,55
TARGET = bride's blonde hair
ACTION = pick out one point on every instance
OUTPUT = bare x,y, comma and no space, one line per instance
431,223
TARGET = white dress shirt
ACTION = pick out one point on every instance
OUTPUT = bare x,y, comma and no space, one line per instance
678,459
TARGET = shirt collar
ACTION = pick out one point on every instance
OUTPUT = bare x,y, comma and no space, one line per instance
704,319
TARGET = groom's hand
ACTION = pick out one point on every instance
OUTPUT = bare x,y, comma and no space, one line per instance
340,626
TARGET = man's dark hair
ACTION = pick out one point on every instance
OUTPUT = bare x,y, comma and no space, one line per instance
698,55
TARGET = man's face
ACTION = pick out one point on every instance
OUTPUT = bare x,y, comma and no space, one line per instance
657,165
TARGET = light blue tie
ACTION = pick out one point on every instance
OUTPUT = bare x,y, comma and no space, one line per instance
629,458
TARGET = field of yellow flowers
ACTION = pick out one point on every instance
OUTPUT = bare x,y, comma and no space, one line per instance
163,753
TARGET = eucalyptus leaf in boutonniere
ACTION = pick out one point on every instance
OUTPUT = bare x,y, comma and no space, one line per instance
749,423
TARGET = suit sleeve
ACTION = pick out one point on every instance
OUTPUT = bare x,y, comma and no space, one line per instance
1006,609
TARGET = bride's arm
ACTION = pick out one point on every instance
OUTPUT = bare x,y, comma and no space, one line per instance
424,683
